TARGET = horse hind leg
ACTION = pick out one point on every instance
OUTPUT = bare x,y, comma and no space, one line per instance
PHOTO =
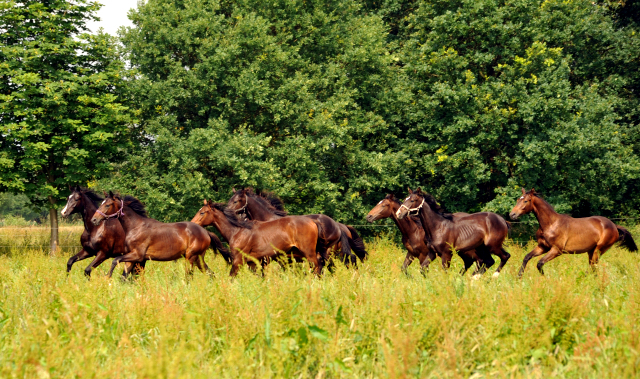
504,257
594,256
485,261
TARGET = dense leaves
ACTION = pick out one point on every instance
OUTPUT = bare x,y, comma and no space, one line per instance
332,104
62,120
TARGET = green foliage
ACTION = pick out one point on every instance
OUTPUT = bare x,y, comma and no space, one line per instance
332,104
280,96
62,119
518,94
16,206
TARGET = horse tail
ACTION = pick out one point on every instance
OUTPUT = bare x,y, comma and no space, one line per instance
508,226
626,240
345,249
217,247
357,245
321,247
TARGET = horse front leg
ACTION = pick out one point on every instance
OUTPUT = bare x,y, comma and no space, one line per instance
426,259
407,261
553,253
537,251
83,254
133,256
97,261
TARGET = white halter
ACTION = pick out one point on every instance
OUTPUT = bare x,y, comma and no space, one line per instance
409,210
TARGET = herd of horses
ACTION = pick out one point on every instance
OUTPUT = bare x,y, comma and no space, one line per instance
259,230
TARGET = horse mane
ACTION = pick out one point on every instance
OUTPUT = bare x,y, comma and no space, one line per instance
231,216
94,197
268,200
433,204
135,205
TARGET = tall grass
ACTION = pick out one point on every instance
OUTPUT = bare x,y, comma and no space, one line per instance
370,322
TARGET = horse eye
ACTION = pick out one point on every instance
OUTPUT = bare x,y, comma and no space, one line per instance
202,213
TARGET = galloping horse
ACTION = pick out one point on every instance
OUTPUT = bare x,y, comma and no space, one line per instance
103,241
337,237
483,232
413,235
559,234
149,239
294,235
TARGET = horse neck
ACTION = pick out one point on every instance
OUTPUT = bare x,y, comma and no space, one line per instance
258,212
130,220
544,212
431,220
406,225
223,225
89,209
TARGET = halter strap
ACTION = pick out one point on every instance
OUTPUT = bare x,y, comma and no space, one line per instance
409,210
119,212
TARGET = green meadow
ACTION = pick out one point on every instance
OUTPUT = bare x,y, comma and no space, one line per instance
370,322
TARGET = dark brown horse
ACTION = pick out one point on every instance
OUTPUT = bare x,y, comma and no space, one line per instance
149,239
483,232
257,241
413,235
337,238
103,241
561,234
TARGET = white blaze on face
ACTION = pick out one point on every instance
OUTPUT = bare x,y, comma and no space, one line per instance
380,202
66,205
521,197
407,198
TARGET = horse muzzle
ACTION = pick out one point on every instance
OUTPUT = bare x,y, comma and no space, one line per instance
514,215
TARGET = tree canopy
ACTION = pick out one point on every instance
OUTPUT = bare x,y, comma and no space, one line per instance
62,119
333,104
329,104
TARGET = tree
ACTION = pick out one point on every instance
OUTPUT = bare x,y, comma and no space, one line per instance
278,95
61,119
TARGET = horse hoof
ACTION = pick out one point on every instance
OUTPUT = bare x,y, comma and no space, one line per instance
496,274
476,277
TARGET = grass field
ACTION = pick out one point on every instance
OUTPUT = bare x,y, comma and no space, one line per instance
370,322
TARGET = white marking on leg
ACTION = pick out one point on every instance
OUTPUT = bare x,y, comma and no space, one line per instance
496,274
476,277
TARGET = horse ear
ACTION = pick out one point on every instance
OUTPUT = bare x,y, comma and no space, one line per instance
533,191
419,190
205,201
233,189
523,191
78,188
111,194
409,189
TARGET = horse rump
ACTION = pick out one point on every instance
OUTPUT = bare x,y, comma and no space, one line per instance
625,239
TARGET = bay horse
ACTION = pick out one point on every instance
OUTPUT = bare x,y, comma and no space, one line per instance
103,241
149,239
413,235
483,232
252,241
562,234
337,238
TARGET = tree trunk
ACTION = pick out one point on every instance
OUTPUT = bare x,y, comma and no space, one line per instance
53,217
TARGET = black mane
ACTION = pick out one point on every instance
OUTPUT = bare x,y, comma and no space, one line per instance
135,205
94,197
433,204
269,201
231,216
